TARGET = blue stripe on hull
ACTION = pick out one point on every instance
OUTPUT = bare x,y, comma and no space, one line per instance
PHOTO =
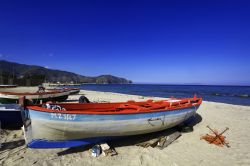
45,144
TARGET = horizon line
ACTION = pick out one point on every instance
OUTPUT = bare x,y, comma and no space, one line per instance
191,84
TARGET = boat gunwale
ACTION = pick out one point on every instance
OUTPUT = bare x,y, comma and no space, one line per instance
120,112
66,89
35,93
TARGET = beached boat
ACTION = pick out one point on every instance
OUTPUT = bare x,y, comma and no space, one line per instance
78,124
72,91
12,95
10,115
9,99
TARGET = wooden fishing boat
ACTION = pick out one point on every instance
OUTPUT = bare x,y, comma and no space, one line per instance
72,91
12,95
10,115
78,124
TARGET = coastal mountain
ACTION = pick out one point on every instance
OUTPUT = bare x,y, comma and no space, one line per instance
21,74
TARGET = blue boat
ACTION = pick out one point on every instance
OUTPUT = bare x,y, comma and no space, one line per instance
75,124
10,115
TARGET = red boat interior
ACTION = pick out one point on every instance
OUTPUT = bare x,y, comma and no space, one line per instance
129,107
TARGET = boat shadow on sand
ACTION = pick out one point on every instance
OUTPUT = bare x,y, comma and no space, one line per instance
138,139
11,127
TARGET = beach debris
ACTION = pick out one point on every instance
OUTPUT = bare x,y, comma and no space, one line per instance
96,150
104,149
107,150
217,138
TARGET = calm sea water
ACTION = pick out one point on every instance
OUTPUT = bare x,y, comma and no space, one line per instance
226,94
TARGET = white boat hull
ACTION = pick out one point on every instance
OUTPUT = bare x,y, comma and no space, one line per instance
58,127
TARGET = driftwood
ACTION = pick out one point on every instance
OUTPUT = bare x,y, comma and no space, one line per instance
167,140
152,143
162,141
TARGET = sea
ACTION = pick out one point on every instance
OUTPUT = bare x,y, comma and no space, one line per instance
239,95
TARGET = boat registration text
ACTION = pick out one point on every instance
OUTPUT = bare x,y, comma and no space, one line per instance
60,116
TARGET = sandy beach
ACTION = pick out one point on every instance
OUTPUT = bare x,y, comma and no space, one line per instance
186,150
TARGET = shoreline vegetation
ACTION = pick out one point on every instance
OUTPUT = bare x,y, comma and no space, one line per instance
31,75
186,149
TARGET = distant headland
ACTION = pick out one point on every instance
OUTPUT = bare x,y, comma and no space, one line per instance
31,75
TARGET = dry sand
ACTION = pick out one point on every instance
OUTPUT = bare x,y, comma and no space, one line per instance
187,150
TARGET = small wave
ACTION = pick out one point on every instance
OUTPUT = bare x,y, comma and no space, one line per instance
244,95
231,95
216,94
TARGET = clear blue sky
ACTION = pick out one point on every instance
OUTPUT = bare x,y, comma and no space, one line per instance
169,41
